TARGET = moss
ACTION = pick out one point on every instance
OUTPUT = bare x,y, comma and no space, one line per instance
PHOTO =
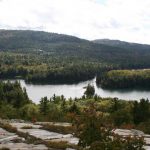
27,127
60,145
59,129
8,127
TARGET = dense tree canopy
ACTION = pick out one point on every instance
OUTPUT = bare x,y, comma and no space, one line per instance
48,57
13,94
90,91
125,79
93,119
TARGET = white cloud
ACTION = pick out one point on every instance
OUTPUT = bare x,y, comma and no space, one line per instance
91,19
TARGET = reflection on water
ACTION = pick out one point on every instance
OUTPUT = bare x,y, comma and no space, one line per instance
35,92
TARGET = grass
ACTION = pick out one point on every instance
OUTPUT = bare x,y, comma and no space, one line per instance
59,129
60,145
27,127
62,130
8,127
33,140
29,139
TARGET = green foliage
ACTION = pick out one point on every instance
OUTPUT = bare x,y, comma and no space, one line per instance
14,99
96,134
53,44
122,116
41,57
74,109
141,111
119,143
29,112
13,94
90,127
43,68
8,111
59,128
90,91
94,118
125,79
144,126
44,106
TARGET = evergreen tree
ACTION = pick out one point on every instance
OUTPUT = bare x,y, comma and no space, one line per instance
90,91
44,105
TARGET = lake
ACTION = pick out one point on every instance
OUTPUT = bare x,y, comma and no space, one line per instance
35,92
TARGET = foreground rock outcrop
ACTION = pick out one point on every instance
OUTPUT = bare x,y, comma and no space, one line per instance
35,133
42,139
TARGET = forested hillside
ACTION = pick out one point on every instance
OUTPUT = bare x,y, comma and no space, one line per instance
122,44
49,57
64,45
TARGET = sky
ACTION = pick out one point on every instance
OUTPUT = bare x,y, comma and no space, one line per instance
127,20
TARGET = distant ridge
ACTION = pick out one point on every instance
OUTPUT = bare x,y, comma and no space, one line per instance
123,44
107,51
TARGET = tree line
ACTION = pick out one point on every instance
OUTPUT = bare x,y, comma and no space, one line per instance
125,79
43,68
92,116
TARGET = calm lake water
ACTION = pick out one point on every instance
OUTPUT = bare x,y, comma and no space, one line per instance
35,92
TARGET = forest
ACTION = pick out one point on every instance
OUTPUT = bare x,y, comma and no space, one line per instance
44,58
41,57
125,79
42,68
88,114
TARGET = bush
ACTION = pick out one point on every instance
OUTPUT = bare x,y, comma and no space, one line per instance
119,143
29,112
59,129
90,91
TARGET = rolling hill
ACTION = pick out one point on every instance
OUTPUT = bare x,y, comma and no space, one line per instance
126,55
122,44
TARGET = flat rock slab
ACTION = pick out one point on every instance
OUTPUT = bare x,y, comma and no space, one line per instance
6,137
9,140
147,140
23,146
5,121
4,133
125,132
22,125
44,134
147,147
72,140
64,124
36,132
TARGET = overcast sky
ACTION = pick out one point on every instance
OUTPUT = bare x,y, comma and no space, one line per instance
127,20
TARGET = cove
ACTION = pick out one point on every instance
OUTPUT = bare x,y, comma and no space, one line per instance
35,92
